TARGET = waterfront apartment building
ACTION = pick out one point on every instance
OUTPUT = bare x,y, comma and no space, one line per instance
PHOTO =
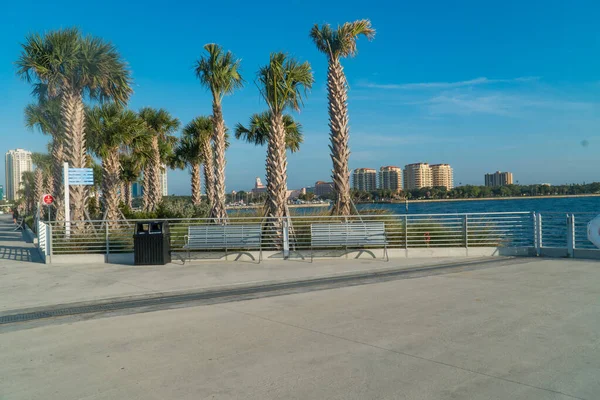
364,179
17,162
417,176
323,188
499,179
390,178
442,175
137,188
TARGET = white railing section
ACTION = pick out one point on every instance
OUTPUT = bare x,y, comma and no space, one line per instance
44,234
293,234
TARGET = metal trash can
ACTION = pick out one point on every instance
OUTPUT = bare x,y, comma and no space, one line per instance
152,243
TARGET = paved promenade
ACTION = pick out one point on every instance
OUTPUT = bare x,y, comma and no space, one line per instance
524,328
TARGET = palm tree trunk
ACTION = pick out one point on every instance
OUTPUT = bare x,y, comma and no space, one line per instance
209,179
338,123
152,178
111,166
38,191
127,193
74,128
58,157
57,178
146,177
218,211
276,169
196,197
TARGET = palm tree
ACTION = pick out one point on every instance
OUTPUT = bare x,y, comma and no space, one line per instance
41,176
160,126
219,72
187,153
27,191
202,129
281,84
71,67
257,132
337,44
110,128
46,117
130,172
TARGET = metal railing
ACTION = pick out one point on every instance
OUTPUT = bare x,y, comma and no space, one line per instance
44,235
561,230
508,229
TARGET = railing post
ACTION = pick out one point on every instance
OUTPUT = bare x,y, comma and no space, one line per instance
406,232
106,239
466,230
539,233
570,235
286,238
48,244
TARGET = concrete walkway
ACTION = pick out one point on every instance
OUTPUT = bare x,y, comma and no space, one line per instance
26,285
525,331
13,246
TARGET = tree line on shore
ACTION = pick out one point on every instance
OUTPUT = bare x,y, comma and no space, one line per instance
474,191
82,85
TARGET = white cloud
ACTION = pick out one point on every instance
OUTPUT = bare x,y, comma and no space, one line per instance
447,85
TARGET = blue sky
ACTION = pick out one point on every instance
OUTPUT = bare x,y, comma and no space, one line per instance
484,86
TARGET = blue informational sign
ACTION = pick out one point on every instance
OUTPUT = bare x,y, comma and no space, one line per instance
81,176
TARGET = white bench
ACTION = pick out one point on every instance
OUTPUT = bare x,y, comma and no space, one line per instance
235,238
349,235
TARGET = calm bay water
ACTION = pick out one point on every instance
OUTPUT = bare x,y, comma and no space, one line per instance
551,204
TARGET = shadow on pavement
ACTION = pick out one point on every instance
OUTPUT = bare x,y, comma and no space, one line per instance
19,253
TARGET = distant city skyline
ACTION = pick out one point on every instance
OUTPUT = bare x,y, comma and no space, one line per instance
478,87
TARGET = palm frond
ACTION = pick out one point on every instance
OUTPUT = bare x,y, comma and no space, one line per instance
219,71
259,125
284,81
342,41
111,127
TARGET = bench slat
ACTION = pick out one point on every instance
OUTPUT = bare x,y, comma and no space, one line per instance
223,236
348,234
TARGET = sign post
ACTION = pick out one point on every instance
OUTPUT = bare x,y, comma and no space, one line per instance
67,197
74,176
48,199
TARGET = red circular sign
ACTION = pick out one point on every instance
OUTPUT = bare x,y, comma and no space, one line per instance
48,199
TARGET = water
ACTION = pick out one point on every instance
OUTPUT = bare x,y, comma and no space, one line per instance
551,204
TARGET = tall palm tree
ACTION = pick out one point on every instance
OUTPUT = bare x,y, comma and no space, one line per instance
338,44
188,154
202,128
282,83
257,132
111,127
159,126
41,176
219,72
46,117
71,67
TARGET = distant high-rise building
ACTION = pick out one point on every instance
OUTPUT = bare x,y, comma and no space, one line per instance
136,188
499,179
390,178
442,175
17,162
417,175
1,192
364,179
323,188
